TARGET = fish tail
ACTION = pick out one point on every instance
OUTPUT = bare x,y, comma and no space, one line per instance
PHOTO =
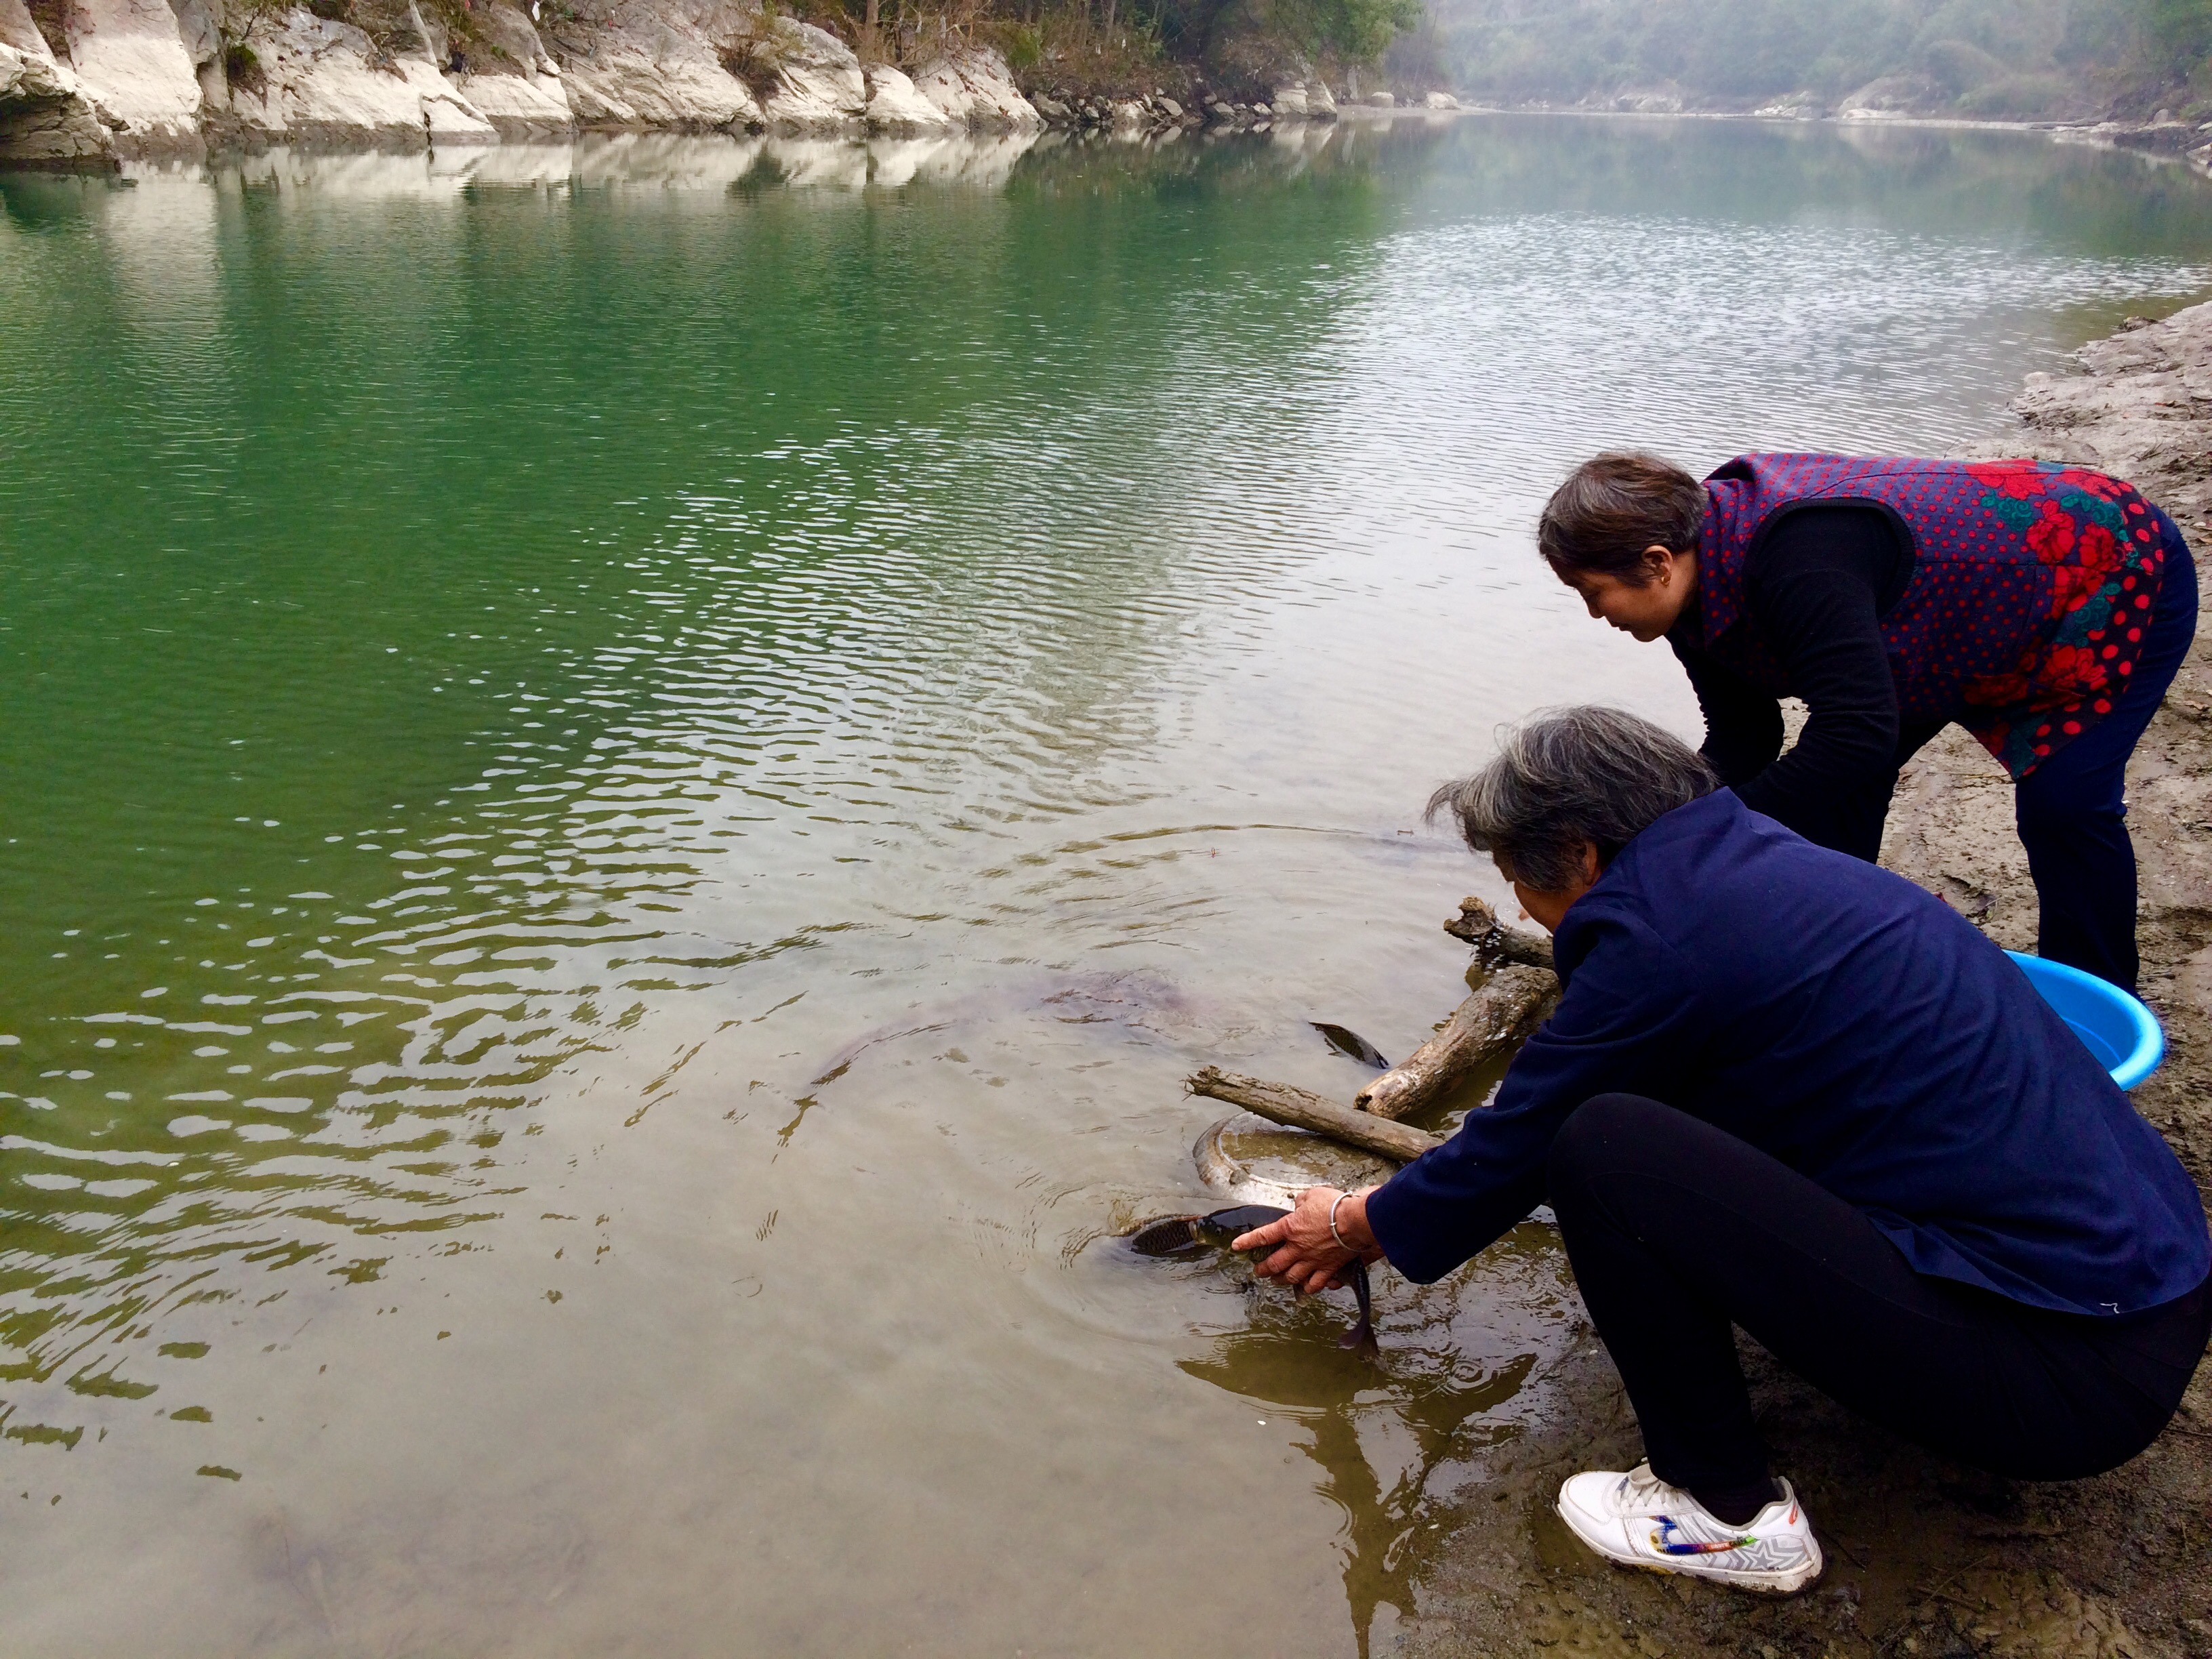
1361,1336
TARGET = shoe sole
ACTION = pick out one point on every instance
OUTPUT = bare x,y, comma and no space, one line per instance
1763,1583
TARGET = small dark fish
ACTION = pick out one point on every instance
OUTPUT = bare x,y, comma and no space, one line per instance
1173,1234
1347,1041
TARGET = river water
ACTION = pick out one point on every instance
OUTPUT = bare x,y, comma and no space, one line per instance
635,772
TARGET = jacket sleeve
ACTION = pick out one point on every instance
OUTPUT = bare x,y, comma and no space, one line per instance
1629,1022
1743,724
1815,592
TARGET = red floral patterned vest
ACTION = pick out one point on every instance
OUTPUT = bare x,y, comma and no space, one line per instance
2031,591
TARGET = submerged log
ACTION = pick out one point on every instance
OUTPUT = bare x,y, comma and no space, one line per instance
1301,1108
1511,1003
1493,941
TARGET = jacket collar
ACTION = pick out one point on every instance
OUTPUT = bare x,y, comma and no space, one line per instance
1709,817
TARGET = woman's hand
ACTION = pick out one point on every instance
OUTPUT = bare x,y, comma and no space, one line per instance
1303,1255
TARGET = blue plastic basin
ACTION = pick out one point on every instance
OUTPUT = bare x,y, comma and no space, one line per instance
2123,1034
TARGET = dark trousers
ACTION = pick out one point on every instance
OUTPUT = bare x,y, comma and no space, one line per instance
2071,811
1678,1231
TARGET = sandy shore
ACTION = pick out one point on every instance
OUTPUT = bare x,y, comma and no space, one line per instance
1924,1559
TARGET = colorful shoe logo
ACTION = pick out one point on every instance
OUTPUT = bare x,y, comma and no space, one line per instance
1670,1540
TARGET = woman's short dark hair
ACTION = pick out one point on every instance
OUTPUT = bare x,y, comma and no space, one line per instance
1611,508
1565,778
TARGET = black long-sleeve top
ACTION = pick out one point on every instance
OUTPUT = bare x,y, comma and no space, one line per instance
1816,585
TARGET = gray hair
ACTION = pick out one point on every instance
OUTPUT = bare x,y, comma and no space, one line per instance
1565,778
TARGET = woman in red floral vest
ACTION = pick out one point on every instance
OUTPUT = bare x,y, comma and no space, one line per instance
2043,608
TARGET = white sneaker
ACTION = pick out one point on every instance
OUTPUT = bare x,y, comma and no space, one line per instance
1638,1520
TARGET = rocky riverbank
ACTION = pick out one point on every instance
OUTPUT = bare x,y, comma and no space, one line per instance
88,83
1927,1559
99,80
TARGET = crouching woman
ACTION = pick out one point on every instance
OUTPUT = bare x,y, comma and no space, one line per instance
1789,1091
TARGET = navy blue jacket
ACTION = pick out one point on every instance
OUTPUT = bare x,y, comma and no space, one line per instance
1847,1023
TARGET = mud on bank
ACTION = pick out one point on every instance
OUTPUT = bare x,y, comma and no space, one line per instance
1924,1559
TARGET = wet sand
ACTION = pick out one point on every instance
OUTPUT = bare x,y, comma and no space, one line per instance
1926,1558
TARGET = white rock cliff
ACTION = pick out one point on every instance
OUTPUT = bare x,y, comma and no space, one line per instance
153,78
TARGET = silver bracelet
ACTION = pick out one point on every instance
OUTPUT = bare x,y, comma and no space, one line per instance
1333,1232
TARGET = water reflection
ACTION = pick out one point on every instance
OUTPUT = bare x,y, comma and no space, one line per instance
1429,1406
642,764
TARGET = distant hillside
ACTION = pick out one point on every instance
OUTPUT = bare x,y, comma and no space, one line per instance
1989,59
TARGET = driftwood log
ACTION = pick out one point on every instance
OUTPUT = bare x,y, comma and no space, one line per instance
1511,1003
1493,941
1301,1108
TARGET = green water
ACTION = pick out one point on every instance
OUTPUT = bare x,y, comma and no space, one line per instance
635,772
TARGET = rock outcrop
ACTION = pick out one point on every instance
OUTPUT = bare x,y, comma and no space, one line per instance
123,79
130,53
320,82
895,105
45,116
815,82
513,82
131,78
670,64
977,91
2140,406
523,104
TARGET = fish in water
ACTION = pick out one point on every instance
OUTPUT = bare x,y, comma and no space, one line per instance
1173,1234
1347,1041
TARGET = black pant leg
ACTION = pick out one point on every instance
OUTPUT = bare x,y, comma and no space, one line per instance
2082,862
1669,1330
1912,736
2071,811
1677,1230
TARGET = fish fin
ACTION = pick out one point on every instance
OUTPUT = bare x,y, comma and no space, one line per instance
1346,1041
1361,1336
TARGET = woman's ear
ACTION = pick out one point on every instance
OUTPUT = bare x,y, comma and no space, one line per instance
1658,563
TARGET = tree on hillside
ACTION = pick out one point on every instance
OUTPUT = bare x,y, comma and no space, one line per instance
1989,58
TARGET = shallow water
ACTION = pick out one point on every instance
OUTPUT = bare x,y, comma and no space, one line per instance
636,769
